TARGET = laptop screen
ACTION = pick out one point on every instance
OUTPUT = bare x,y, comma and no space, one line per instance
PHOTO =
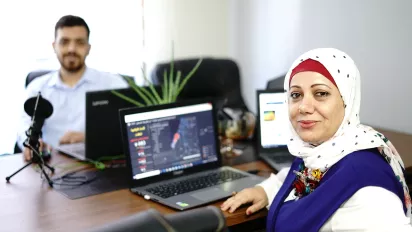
273,118
171,139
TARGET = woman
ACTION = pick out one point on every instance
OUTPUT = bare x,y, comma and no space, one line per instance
346,176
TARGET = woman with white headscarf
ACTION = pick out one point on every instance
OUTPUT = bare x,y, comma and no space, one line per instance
346,176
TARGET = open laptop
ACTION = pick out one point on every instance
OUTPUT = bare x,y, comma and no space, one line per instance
102,129
271,128
172,155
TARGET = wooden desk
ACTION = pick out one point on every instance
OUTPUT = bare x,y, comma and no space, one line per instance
28,204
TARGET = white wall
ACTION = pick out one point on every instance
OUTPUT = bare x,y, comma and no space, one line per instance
263,41
375,33
197,28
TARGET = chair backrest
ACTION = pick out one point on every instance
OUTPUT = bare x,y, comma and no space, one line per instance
218,78
276,83
33,75
207,219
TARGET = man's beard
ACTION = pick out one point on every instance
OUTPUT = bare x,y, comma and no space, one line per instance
71,66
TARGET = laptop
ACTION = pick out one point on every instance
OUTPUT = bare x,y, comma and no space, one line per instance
172,155
102,129
271,128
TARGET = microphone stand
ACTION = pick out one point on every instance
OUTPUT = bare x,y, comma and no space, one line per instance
32,142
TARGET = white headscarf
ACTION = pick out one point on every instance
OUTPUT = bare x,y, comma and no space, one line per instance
351,135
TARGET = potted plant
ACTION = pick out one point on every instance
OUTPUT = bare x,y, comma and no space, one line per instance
171,87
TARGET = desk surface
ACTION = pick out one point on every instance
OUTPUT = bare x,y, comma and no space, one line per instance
28,204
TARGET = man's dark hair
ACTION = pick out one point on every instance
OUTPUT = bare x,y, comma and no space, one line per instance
71,21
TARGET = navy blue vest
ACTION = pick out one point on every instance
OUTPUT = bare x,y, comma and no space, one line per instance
355,171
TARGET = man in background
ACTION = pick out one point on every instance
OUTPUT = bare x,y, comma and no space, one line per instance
66,88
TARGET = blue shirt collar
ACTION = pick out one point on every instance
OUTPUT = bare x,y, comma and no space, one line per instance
55,80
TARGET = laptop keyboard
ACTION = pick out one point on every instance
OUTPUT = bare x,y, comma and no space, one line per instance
196,183
284,159
281,158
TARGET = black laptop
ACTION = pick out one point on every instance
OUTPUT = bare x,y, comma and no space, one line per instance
271,128
172,155
102,129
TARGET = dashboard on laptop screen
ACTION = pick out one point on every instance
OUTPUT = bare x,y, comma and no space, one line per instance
171,139
273,119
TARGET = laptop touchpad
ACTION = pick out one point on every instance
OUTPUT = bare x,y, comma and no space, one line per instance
209,194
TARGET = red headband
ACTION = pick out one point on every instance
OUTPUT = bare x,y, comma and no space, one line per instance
312,66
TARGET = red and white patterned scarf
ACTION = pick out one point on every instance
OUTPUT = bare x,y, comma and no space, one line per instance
351,135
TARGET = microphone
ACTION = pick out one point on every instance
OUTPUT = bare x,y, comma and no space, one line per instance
206,219
39,109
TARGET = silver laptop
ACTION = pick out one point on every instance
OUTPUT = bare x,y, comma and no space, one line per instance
272,125
76,150
172,154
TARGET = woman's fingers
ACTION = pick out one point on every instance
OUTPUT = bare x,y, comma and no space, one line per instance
255,207
227,204
237,201
235,205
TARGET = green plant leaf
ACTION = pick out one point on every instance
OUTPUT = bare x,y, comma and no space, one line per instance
171,88
165,89
151,86
172,65
138,90
152,98
127,98
145,91
176,85
182,85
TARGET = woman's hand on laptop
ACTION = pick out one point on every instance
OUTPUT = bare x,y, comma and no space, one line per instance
72,137
27,151
256,195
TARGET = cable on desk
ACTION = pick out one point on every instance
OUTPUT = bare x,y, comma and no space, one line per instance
70,179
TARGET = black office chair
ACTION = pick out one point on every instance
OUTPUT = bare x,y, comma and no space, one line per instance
206,219
276,83
217,78
33,75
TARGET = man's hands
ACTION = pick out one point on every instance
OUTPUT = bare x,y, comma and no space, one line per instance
69,137
72,137
27,152
256,195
